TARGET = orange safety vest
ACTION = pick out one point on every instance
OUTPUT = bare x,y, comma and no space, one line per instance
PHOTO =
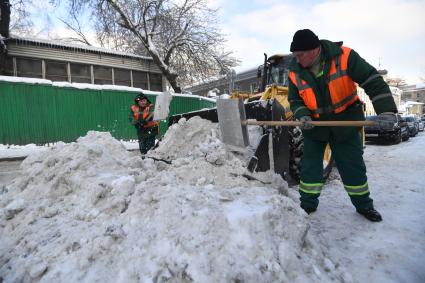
145,114
342,88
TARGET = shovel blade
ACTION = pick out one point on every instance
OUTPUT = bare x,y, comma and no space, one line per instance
162,106
230,114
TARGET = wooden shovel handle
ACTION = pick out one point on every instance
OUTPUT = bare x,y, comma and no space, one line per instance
315,123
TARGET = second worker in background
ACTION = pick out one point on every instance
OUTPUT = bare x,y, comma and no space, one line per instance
141,116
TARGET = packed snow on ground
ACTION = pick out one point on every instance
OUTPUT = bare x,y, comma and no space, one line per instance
91,211
389,251
11,151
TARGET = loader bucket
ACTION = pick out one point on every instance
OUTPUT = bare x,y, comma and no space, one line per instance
276,138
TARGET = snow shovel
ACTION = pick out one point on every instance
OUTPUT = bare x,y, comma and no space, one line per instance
162,106
232,122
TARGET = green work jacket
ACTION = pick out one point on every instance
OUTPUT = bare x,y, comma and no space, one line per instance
361,72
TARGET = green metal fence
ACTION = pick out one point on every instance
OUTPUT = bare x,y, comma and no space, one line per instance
42,113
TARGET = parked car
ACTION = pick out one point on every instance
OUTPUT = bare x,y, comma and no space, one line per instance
421,124
399,132
413,125
405,134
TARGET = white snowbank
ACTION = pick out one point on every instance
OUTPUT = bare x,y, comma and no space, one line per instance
92,211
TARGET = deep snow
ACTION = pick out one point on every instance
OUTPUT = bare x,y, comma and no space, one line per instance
92,211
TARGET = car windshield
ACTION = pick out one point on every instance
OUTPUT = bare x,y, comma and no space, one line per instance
409,119
371,118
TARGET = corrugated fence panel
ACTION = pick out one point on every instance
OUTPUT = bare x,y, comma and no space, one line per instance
43,113
115,112
23,113
76,112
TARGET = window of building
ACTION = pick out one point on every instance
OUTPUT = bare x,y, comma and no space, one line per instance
140,79
102,75
122,77
56,71
156,82
80,73
8,68
30,68
253,88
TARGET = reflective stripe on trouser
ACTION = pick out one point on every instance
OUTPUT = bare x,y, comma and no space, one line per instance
349,160
311,188
357,190
311,173
309,194
348,157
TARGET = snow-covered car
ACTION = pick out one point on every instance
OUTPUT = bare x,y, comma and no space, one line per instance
398,133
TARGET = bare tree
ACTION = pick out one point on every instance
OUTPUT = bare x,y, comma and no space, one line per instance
20,20
74,25
14,17
397,82
181,36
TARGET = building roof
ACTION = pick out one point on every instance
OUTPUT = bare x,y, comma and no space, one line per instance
72,46
416,87
413,103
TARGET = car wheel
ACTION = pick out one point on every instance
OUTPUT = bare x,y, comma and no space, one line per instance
406,137
397,138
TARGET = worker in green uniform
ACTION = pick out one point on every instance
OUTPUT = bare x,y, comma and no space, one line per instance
323,82
141,117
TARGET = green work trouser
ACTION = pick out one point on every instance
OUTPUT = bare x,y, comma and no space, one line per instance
348,156
146,141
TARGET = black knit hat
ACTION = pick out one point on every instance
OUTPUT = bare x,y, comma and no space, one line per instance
304,39
141,96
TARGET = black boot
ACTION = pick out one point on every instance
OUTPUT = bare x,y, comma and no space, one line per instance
309,210
371,214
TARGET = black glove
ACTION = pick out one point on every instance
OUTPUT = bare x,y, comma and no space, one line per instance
386,121
305,125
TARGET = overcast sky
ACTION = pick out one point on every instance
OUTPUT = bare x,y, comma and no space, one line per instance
389,34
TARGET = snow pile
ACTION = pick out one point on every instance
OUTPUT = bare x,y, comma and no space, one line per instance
91,211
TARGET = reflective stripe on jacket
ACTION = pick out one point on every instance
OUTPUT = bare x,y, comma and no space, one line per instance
342,89
145,114
135,110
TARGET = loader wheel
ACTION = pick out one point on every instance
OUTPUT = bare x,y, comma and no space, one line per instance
296,145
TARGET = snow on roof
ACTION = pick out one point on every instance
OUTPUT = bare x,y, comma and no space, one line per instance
413,103
420,85
24,80
92,86
58,43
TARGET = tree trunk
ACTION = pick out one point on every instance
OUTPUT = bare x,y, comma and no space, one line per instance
171,77
4,31
4,17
